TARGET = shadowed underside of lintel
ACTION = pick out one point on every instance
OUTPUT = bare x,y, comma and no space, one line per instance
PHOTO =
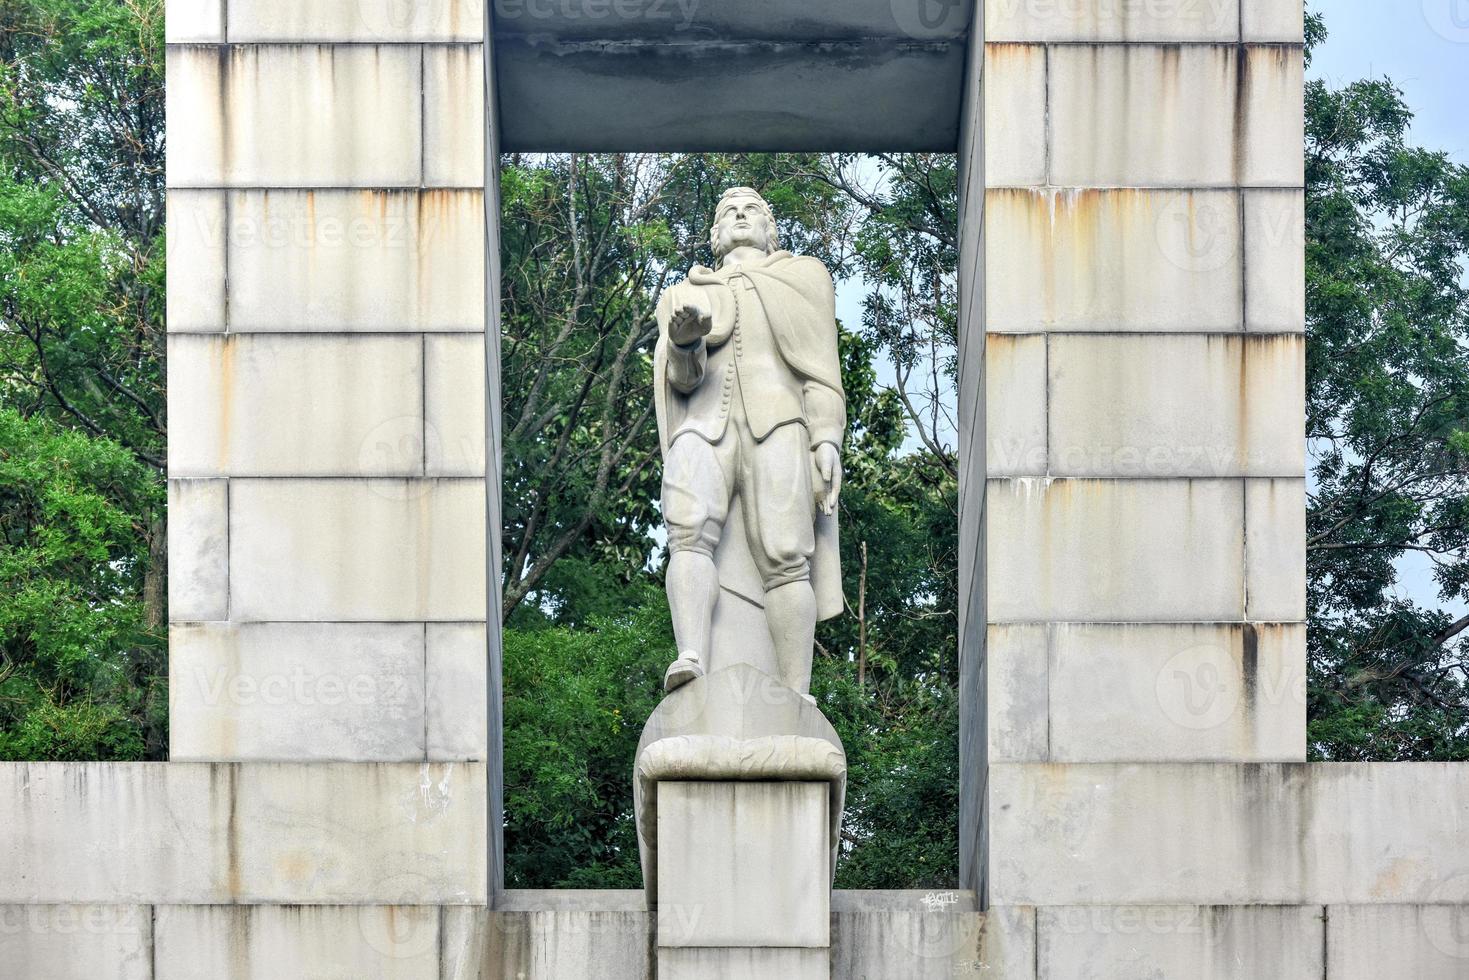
685,75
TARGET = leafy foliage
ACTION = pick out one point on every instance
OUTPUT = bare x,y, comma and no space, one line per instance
78,665
1387,229
590,241
575,704
82,434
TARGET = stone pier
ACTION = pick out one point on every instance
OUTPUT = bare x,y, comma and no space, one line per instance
1135,800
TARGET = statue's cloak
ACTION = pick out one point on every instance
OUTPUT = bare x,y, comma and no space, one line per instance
799,301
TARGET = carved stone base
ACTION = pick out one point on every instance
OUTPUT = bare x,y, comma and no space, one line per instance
739,786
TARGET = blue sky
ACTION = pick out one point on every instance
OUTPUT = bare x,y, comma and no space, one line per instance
1422,45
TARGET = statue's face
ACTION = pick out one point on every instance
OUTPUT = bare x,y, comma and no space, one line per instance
742,221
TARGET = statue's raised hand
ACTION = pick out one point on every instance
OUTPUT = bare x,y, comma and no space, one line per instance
689,325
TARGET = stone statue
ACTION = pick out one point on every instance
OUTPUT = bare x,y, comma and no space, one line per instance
751,418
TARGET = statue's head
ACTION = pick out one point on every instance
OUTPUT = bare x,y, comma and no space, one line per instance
742,218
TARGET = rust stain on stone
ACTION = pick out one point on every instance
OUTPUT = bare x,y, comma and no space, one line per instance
224,383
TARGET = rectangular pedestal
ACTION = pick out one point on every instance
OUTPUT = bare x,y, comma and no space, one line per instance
744,865
743,963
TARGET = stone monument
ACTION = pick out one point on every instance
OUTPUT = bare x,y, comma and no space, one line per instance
739,778
751,417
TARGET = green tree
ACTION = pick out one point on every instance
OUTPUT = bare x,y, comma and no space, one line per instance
575,703
588,634
78,678
1387,228
82,648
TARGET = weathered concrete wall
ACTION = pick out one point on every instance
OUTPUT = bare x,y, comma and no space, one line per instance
327,386
558,936
1231,834
531,936
193,833
1144,382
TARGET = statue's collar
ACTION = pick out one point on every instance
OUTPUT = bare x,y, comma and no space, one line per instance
704,273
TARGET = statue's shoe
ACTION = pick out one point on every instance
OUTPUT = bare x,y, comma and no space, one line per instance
680,672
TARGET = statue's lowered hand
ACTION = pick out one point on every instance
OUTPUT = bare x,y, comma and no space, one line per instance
829,468
689,324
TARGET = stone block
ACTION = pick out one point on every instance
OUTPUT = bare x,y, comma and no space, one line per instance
1275,261
1275,550
1137,115
198,550
1014,115
1281,21
1110,260
1015,404
356,20
1164,115
1187,692
296,116
194,21
932,935
1109,692
282,405
1129,550
76,942
1059,20
1397,942
742,963
349,692
1176,405
197,230
550,935
1272,99
1229,834
454,401
195,75
357,261
733,724
743,864
453,116
367,942
458,685
184,833
1112,943
1017,658
365,550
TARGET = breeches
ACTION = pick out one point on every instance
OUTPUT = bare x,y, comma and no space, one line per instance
771,479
